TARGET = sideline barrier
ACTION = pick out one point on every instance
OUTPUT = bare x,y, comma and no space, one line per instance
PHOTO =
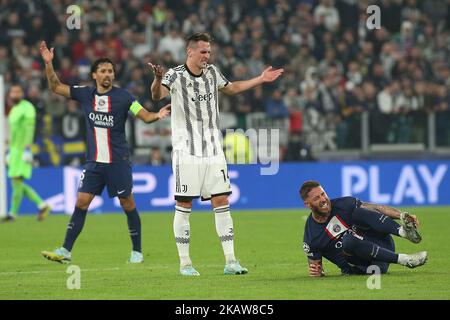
397,183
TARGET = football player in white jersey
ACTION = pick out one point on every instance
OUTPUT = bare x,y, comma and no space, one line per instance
198,161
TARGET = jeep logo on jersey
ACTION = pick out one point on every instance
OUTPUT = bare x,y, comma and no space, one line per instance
102,120
202,97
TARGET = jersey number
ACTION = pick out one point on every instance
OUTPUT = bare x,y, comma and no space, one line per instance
225,176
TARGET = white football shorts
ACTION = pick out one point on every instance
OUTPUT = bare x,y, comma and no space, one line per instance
203,177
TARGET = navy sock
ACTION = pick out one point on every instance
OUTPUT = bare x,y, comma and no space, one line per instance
367,250
376,221
134,226
74,227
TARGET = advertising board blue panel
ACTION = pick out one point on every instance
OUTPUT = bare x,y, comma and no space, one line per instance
396,183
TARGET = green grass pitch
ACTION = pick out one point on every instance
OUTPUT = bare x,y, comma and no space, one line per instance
267,242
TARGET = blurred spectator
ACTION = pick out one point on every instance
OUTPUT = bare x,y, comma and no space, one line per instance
174,44
156,158
327,15
275,106
388,98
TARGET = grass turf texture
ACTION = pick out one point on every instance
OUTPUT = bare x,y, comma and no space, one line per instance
268,243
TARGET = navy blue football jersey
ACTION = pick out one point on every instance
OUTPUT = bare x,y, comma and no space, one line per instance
105,116
324,239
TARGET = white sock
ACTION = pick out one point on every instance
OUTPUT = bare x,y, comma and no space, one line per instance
224,228
401,232
181,230
402,259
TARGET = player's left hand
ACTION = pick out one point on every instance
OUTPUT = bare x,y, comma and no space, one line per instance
164,112
271,74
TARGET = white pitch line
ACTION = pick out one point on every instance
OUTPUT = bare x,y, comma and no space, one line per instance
121,268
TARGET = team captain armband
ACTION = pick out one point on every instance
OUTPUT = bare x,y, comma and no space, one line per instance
136,107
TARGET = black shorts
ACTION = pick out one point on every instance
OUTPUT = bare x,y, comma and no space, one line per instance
117,177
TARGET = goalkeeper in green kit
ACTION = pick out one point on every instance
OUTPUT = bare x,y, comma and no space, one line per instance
21,120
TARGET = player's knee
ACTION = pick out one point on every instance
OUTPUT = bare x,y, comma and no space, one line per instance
83,203
184,203
219,201
127,204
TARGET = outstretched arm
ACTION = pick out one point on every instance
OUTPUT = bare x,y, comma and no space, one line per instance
386,210
268,75
53,82
157,89
149,117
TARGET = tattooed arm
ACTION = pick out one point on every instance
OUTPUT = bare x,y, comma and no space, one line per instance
386,210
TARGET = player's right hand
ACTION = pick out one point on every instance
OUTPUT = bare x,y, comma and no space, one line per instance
157,70
164,112
47,55
315,270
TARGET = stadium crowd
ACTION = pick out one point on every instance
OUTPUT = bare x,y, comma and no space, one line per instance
335,67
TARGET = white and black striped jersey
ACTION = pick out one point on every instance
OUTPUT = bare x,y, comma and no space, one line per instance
195,109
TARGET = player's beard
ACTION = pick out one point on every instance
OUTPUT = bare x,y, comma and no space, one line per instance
203,64
106,83
16,100
322,212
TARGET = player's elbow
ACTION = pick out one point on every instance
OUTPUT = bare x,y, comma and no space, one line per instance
53,87
156,97
230,91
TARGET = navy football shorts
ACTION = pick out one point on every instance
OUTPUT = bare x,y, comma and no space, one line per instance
117,177
359,266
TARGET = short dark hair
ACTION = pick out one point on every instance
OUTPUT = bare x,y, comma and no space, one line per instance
199,36
98,62
306,187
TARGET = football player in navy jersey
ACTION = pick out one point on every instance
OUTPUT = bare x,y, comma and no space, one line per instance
105,109
353,234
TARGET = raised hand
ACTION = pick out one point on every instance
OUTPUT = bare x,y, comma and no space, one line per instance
157,70
47,55
271,74
164,112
